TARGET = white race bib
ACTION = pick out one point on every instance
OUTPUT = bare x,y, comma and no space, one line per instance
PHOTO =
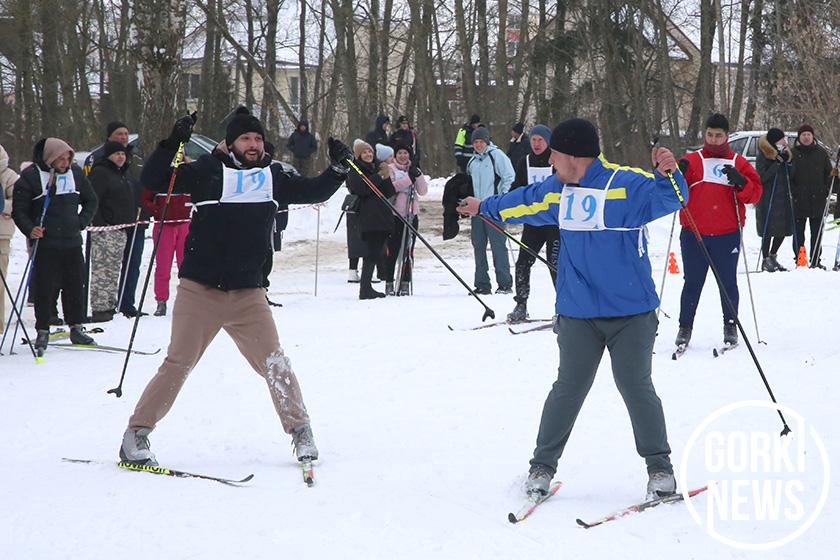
537,174
247,185
713,170
65,183
582,208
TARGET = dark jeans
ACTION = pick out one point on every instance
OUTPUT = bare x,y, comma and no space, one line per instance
582,343
771,248
724,250
131,269
395,241
814,221
535,237
54,270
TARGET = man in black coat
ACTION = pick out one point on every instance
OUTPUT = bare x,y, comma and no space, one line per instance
533,168
236,191
406,136
302,144
46,200
518,147
811,178
379,134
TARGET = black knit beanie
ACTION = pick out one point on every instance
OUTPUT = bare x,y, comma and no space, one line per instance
112,126
774,135
475,119
112,147
576,137
242,123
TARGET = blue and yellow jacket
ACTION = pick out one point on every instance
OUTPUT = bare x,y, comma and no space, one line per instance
603,273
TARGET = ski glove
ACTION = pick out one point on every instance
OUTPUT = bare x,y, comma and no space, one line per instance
683,165
783,156
414,172
734,177
182,130
338,152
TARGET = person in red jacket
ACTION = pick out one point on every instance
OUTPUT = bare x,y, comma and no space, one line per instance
172,239
721,183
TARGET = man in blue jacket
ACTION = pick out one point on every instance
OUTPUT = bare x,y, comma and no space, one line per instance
491,173
605,294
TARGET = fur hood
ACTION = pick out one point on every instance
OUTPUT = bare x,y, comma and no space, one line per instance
769,150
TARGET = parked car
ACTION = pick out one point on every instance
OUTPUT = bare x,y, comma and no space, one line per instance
195,148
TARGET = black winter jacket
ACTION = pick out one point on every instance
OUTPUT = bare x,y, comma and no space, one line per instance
229,243
373,214
775,216
407,138
521,178
115,192
302,144
63,221
378,134
519,148
811,179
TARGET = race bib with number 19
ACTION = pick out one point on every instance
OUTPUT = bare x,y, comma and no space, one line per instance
247,185
582,209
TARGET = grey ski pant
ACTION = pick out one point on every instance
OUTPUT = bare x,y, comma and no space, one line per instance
582,342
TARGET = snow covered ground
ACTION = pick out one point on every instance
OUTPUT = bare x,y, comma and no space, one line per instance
425,433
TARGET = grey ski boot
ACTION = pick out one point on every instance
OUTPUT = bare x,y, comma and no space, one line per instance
78,336
539,480
519,313
161,309
135,447
683,336
660,484
304,443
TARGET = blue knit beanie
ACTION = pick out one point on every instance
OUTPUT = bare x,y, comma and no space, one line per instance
541,130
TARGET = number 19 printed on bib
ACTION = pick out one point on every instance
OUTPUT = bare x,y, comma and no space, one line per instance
247,185
582,209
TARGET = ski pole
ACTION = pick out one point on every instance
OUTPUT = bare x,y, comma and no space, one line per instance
793,214
746,268
30,264
128,261
665,269
767,222
827,204
16,311
176,161
488,313
401,257
527,249
693,226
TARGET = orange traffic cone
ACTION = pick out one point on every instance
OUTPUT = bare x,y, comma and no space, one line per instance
672,264
802,260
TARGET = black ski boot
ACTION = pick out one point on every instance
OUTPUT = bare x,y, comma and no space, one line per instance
78,336
161,309
519,313
389,289
730,333
41,342
767,265
683,336
776,263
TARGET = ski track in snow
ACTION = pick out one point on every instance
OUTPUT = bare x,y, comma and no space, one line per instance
424,433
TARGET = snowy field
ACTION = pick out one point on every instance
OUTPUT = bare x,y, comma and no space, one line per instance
424,433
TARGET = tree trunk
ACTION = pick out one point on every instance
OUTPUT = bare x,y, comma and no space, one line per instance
704,89
160,28
756,46
738,90
373,78
483,51
468,70
303,94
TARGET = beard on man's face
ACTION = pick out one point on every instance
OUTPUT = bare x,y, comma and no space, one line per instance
248,157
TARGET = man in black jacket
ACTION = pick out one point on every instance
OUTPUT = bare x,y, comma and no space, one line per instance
302,144
46,199
811,178
533,168
236,191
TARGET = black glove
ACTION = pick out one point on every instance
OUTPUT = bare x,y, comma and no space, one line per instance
414,172
338,153
683,165
734,177
783,155
182,130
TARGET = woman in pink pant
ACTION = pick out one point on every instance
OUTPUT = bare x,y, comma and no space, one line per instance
172,239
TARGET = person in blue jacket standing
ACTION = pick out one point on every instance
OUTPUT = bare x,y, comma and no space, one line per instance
605,293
